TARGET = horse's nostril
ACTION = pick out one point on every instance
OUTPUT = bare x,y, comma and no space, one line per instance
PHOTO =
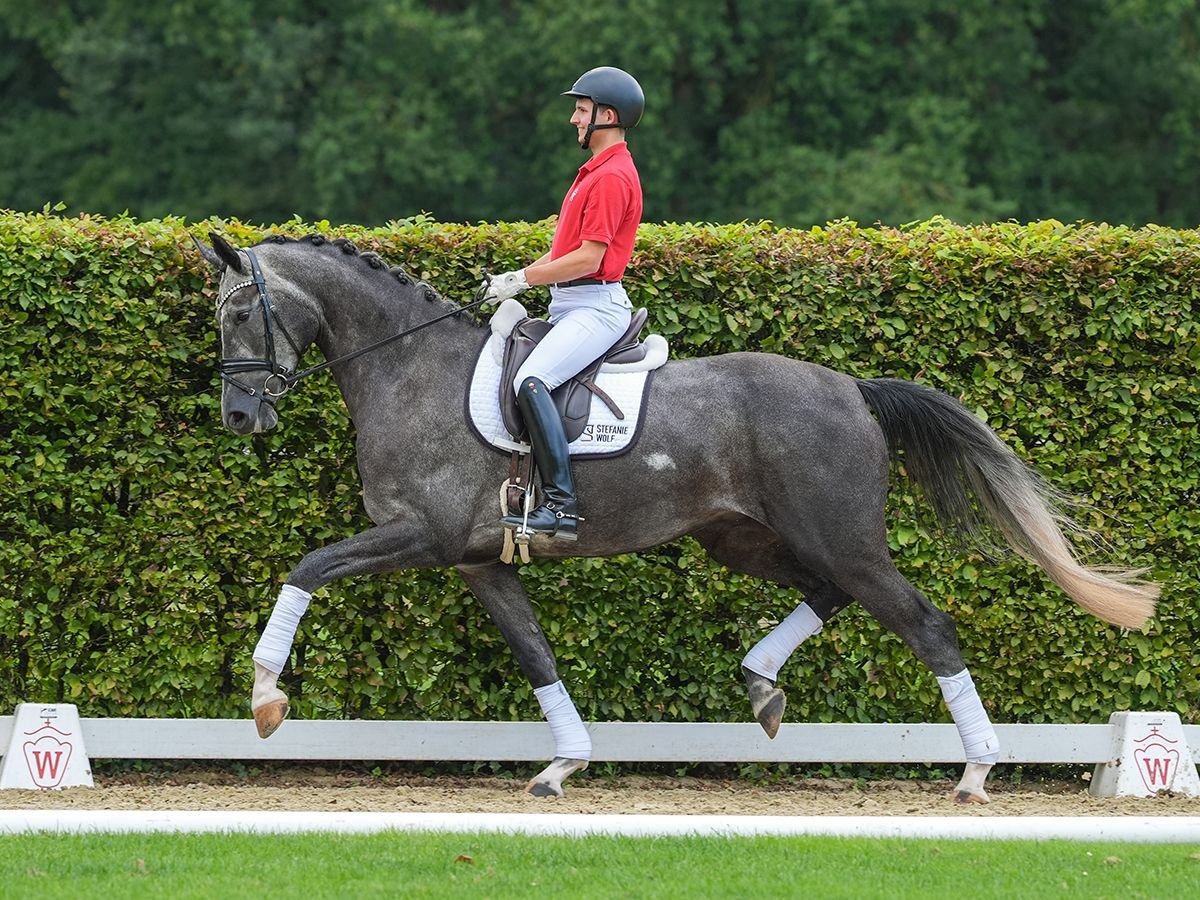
237,420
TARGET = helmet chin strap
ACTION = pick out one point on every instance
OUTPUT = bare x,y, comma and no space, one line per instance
593,127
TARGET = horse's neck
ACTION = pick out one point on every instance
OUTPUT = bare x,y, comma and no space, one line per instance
396,386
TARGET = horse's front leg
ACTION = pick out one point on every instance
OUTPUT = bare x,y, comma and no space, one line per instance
498,588
385,548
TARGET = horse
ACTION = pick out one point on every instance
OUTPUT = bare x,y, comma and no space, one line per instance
796,499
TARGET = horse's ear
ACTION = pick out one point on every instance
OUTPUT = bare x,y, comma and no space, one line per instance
206,251
226,252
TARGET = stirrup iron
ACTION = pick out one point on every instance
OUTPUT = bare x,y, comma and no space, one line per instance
522,535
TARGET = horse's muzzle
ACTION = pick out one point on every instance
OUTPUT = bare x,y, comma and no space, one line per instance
250,418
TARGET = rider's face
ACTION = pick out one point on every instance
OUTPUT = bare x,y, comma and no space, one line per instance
582,117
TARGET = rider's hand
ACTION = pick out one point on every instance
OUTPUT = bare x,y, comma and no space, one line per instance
505,287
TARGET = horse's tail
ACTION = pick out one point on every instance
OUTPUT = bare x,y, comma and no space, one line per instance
954,457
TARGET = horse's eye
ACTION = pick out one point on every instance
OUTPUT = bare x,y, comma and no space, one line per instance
243,316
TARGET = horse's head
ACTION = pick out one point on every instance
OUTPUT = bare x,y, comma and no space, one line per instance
266,323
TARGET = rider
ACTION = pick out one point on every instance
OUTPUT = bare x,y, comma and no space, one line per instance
589,309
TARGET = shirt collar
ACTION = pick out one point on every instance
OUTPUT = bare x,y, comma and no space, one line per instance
619,149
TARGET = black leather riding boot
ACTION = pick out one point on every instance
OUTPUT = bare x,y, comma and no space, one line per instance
556,516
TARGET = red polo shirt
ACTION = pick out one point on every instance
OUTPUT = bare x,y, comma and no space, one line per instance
605,205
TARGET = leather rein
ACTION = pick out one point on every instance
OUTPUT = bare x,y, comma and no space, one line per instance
281,377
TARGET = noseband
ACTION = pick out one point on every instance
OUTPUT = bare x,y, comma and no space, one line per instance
279,375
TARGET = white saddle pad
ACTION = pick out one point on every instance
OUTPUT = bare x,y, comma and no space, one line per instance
604,434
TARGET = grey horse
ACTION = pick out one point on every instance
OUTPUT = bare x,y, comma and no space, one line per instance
789,485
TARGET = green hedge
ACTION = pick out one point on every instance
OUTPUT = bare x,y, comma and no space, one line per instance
143,544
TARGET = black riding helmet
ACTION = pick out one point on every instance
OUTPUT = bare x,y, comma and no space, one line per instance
607,86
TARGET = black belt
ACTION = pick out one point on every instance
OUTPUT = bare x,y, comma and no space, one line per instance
579,282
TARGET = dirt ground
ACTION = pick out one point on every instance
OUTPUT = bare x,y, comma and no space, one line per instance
308,790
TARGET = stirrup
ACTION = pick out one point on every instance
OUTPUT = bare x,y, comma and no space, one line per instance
523,533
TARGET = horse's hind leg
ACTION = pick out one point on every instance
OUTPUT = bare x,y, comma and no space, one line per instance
762,663
498,588
756,550
751,548
931,634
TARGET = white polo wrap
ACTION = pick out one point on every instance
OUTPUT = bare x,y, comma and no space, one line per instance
974,727
275,645
768,655
571,740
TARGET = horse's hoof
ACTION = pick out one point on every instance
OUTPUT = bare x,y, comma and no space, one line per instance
980,796
548,782
970,787
770,714
544,789
767,702
269,716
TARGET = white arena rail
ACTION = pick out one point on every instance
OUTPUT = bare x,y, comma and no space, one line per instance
235,739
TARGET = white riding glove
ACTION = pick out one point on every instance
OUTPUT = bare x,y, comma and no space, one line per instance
505,287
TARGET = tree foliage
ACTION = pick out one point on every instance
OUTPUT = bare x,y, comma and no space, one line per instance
801,112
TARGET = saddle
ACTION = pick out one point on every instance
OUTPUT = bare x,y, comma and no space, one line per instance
573,398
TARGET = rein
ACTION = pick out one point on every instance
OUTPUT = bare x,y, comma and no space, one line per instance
285,377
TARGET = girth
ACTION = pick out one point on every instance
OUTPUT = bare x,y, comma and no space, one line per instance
574,397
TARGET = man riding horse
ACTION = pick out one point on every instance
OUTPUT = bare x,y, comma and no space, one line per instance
789,484
589,309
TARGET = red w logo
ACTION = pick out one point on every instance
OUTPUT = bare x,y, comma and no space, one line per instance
44,761
1156,764
47,759
1157,770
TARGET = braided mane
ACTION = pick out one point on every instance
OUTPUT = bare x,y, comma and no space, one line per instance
372,259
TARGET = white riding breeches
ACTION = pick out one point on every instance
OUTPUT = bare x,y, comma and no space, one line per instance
587,320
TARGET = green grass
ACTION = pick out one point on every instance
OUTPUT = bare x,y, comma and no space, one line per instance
309,867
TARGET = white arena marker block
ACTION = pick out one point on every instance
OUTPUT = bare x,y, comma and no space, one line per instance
1149,754
46,749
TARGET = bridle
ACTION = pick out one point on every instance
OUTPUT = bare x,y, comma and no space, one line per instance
229,368
280,378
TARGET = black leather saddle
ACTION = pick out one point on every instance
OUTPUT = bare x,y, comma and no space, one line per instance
573,398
